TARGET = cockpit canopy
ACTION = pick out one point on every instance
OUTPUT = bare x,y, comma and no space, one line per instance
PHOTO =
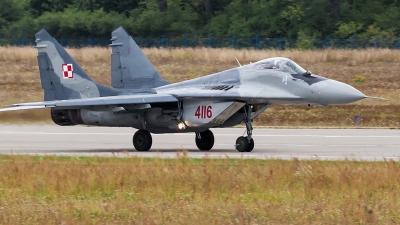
279,63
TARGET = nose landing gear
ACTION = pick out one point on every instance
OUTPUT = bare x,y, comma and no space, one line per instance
246,144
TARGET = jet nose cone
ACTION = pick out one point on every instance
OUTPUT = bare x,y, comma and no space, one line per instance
333,92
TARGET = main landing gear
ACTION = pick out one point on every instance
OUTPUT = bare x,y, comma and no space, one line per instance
246,144
205,140
142,140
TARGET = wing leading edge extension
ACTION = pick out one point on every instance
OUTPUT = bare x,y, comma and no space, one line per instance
244,94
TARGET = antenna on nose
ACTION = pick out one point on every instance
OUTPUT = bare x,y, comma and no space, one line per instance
237,61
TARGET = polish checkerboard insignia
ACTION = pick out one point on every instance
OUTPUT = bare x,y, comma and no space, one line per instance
68,71
284,80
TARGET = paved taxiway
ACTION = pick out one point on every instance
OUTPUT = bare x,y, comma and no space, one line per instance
365,144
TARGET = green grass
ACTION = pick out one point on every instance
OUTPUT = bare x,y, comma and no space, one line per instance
131,190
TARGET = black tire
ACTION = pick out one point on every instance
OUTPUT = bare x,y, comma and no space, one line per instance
206,142
242,144
142,140
251,146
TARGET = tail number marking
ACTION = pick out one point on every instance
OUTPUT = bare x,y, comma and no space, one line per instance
68,71
203,111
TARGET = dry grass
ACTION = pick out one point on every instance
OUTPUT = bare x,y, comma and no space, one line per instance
70,190
20,77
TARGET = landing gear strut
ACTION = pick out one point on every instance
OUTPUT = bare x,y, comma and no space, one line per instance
205,140
246,144
142,140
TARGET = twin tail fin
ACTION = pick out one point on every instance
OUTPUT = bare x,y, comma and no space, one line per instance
62,78
130,68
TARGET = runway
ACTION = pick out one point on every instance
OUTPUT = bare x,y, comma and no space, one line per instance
331,144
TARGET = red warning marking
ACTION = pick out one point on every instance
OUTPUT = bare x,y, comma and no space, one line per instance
68,71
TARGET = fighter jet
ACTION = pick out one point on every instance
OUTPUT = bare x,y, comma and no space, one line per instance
142,99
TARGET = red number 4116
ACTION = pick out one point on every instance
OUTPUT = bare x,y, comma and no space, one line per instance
203,111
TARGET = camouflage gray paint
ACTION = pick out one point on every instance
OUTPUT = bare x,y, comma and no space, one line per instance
130,68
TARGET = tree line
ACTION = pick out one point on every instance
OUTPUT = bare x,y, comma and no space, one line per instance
316,19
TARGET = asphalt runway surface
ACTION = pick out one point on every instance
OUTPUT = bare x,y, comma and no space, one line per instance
330,144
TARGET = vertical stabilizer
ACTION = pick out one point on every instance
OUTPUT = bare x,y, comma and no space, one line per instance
130,68
62,78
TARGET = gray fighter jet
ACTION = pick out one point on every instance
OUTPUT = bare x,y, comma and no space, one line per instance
142,99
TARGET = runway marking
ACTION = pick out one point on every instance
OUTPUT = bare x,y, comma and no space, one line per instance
191,134
47,133
353,145
297,145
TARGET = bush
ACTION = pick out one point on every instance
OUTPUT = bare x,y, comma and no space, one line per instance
304,42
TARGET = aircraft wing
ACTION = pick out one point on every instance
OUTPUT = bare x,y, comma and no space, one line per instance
99,101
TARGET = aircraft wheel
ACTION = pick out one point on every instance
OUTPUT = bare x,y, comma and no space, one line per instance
206,142
242,144
250,147
142,140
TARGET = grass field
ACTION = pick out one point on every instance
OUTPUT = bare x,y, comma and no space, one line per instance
373,71
72,190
